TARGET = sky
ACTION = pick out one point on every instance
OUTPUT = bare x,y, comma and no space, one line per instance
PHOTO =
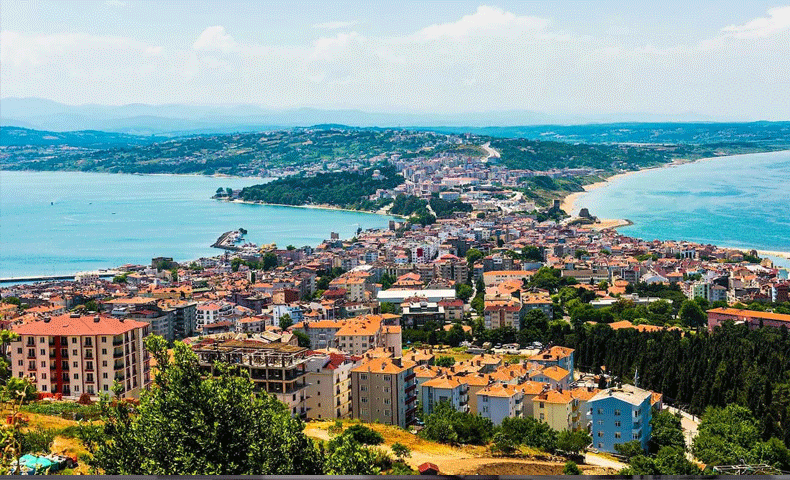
724,60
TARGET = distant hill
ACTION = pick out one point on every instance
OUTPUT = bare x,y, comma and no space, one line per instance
695,133
16,137
175,119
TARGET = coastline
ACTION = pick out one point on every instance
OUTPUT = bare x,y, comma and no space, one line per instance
316,207
571,204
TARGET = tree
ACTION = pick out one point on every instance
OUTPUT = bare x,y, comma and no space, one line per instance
725,435
529,431
345,456
571,468
187,424
473,255
387,280
573,442
6,337
302,338
400,450
692,315
364,435
285,321
667,431
630,449
444,361
463,291
229,191
446,425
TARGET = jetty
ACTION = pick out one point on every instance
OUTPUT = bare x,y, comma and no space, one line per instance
49,278
227,241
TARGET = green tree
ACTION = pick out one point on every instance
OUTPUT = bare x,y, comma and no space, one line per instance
364,435
473,255
345,456
667,431
444,361
387,280
573,442
672,461
692,315
446,425
285,321
571,468
400,450
463,291
725,435
630,449
302,338
187,424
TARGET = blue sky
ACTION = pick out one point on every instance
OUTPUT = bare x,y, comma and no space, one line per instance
721,59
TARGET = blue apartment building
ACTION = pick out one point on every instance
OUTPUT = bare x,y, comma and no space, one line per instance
620,415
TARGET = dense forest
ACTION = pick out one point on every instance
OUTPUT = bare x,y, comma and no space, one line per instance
342,189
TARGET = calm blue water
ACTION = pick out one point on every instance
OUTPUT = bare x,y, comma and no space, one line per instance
105,220
738,201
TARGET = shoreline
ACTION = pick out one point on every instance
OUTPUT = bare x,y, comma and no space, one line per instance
570,203
315,207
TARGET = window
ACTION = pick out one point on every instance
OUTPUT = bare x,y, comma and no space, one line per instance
104,375
600,411
600,445
103,339
104,363
386,389
294,398
542,405
44,388
31,352
42,340
387,378
636,436
89,365
319,382
74,352
386,413
19,350
617,423
386,401
616,434
21,363
600,433
363,388
89,377
76,388
600,422
363,377
75,364
43,364
43,351
485,409
542,417
74,340
43,376
104,351
105,388
76,376
617,413
363,399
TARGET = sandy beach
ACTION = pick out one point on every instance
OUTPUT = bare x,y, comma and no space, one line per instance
318,207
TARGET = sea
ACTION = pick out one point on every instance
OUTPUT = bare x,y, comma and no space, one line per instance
738,201
60,223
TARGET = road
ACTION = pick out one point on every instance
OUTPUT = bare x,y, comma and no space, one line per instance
491,152
690,425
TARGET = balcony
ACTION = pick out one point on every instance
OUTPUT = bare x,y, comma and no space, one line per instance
117,354
410,388
120,378
115,343
410,377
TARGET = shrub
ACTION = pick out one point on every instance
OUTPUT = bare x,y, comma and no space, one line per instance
36,440
571,468
364,435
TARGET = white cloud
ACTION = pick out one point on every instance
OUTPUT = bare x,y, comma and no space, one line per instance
778,20
214,39
486,20
490,59
335,25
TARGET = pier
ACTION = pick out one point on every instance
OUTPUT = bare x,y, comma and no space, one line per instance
225,241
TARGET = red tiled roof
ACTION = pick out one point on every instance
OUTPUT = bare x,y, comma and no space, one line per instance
78,326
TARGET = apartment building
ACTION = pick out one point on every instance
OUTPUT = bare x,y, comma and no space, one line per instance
72,354
503,313
329,385
384,390
444,389
555,356
276,368
558,408
620,415
211,312
498,401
